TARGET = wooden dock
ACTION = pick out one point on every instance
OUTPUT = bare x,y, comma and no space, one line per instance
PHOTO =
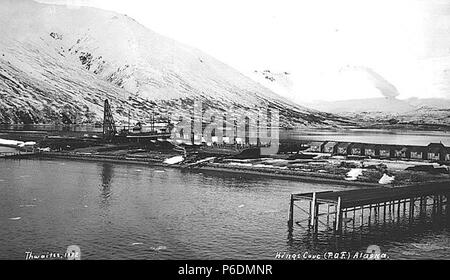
368,205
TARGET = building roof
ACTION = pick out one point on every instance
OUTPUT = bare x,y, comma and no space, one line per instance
435,150
384,147
400,148
343,144
331,144
370,146
357,145
420,149
316,143
436,147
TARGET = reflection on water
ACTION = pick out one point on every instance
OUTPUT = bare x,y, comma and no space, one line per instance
107,175
117,211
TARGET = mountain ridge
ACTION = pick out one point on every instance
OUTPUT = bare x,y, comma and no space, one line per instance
55,59
414,113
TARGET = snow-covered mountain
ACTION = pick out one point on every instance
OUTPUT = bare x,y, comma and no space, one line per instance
370,105
58,62
279,82
428,113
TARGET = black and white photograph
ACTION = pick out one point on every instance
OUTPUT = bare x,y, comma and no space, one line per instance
240,130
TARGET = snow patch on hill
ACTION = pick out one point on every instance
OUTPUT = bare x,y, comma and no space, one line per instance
58,63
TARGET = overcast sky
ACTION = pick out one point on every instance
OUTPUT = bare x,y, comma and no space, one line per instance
334,49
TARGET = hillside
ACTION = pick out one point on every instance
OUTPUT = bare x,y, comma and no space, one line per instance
371,105
413,113
59,64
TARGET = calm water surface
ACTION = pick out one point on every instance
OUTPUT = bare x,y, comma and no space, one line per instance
140,212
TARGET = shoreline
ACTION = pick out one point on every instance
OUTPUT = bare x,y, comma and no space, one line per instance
221,169
299,178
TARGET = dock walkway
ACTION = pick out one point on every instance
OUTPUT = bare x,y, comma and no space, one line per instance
369,203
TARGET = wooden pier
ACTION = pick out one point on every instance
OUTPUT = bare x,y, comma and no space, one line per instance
334,210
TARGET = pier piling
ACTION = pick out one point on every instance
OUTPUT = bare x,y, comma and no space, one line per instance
372,200
291,212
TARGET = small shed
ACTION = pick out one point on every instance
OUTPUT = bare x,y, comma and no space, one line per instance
330,148
342,148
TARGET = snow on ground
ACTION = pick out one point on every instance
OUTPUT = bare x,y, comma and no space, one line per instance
386,179
241,164
11,142
174,160
353,174
398,164
269,166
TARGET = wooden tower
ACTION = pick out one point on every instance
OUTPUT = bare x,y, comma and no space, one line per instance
109,127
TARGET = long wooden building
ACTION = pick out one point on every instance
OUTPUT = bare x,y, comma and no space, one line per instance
437,152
